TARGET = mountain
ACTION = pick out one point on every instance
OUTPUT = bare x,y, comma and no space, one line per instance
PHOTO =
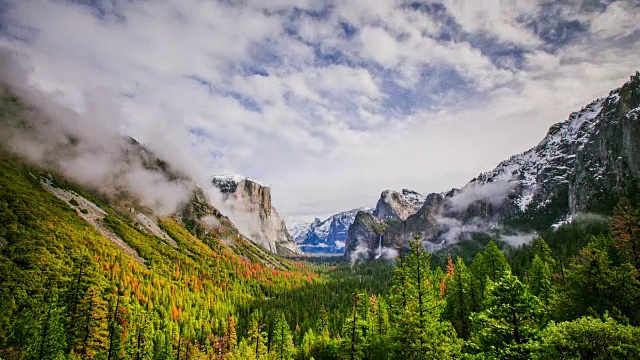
398,205
584,164
298,229
328,236
249,202
72,156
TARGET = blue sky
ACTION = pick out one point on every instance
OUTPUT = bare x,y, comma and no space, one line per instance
330,102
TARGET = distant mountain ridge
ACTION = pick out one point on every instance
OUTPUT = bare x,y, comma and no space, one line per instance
328,236
585,163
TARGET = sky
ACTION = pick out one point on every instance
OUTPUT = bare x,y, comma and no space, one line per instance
329,102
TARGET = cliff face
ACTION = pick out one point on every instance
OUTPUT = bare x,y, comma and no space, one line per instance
608,165
365,233
584,164
395,205
248,204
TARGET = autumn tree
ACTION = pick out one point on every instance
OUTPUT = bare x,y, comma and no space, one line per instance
92,334
625,226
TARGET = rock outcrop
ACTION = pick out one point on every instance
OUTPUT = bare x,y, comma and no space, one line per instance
364,235
248,204
395,205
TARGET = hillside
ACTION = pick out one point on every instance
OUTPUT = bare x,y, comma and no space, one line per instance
87,273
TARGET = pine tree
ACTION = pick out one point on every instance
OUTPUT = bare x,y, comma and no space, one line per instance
495,262
230,336
82,277
354,331
116,325
51,338
542,249
418,331
282,338
325,347
478,282
539,279
459,298
306,346
378,339
92,330
508,326
139,342
594,286
256,338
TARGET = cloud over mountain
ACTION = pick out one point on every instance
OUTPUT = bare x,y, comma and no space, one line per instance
319,99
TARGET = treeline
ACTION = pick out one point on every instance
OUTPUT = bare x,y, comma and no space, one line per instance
68,293
586,308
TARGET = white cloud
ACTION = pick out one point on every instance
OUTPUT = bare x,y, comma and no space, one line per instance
328,119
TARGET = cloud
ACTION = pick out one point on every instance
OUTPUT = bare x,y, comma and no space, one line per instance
86,147
518,239
493,193
330,102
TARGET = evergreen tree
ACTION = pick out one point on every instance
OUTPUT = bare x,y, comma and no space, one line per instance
231,336
51,337
459,298
539,279
418,331
139,342
306,347
378,338
256,338
355,326
325,347
507,327
282,338
495,262
590,338
92,332
594,286
82,277
116,325
542,249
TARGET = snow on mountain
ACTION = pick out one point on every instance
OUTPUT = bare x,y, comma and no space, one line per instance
413,197
398,205
551,162
298,229
584,164
328,236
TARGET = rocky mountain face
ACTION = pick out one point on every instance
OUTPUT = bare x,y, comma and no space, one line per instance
328,236
584,164
395,205
248,204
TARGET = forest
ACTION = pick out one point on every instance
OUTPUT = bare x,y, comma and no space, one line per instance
66,292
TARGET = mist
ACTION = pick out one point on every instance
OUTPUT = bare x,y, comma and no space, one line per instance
86,147
493,193
516,240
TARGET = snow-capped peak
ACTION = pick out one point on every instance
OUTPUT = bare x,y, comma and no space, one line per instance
551,160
